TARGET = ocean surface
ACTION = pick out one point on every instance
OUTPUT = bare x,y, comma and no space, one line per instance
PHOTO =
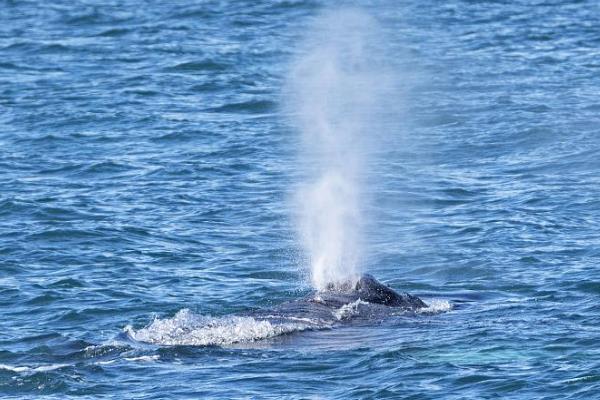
148,158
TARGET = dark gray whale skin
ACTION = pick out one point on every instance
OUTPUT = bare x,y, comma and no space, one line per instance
320,307
370,290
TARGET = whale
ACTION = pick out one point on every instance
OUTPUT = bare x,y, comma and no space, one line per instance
361,298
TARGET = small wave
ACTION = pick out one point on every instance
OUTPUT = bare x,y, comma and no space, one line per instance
585,378
27,369
436,306
189,329
247,107
197,66
143,358
8,65
114,32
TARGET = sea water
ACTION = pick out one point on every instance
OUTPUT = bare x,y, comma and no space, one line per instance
151,161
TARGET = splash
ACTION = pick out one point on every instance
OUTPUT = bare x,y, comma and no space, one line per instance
334,89
436,306
349,310
187,328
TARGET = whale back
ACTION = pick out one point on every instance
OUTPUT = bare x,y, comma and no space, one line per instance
371,290
367,289
322,308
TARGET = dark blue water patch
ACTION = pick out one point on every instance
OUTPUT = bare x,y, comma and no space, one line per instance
114,32
197,66
252,106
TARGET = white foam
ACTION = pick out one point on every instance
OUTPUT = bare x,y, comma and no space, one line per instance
107,362
582,379
143,358
27,369
348,310
436,306
189,329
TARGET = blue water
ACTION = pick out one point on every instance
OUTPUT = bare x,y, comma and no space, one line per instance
146,167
